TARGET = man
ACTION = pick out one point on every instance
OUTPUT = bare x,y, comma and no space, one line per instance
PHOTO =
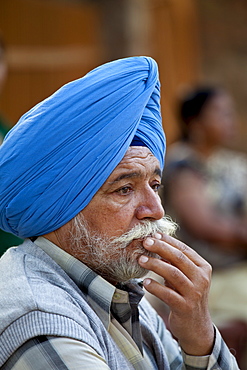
79,180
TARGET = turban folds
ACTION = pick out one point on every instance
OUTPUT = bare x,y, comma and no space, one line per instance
60,153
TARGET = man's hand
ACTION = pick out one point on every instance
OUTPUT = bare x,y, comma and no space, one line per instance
186,285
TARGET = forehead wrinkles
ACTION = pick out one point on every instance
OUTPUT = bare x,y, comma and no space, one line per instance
140,155
136,164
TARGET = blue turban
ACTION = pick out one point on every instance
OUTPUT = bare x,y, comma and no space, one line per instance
60,153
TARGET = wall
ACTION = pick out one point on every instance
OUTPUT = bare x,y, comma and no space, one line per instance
48,44
223,53
54,41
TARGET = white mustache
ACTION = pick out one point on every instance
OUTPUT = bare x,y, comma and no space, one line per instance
145,229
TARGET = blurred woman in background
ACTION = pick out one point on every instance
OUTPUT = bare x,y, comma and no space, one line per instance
205,191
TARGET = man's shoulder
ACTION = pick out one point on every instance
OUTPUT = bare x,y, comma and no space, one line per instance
27,266
39,297
31,281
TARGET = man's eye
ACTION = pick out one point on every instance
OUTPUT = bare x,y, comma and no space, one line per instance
156,187
124,190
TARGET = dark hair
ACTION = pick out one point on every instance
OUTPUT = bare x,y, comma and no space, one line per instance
191,104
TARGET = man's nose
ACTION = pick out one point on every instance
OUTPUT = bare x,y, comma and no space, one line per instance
150,207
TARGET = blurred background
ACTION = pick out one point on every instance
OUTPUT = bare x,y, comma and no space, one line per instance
50,42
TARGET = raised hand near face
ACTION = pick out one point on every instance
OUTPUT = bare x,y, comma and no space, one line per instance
186,285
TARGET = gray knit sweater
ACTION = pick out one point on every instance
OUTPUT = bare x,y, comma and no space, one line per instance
38,298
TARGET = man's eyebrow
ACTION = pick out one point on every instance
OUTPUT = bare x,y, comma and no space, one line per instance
128,175
158,172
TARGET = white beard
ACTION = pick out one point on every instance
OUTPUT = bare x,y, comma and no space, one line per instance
114,258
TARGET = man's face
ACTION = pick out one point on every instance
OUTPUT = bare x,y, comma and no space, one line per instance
128,199
128,196
108,234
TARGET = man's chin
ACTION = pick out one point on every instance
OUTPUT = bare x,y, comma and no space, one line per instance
123,277
125,269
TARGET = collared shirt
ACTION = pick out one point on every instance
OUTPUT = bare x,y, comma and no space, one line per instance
113,307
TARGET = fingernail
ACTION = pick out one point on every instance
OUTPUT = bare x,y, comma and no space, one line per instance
149,242
157,236
146,281
143,259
